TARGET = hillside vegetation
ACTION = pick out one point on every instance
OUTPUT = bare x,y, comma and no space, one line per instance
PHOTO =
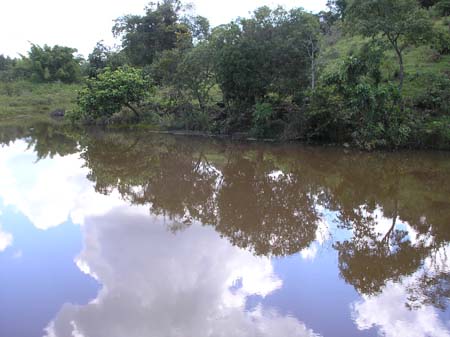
371,73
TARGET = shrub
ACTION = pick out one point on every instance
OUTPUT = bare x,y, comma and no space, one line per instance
436,98
110,92
441,40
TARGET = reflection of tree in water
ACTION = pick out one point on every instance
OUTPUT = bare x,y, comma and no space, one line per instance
380,248
47,140
368,260
269,215
266,198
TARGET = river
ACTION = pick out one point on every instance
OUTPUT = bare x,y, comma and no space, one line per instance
136,234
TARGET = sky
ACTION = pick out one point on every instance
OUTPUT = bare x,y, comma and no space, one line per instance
80,24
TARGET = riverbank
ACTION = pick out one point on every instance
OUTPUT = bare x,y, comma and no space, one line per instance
25,99
24,103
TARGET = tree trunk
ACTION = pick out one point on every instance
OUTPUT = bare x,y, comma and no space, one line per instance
132,109
313,73
402,69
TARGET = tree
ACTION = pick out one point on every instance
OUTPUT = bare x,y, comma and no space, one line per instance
270,52
199,26
427,3
307,28
196,73
7,65
158,30
401,22
111,91
443,6
337,7
103,56
58,63
5,62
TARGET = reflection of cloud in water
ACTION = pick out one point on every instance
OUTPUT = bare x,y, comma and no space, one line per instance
388,312
323,235
49,191
156,283
6,240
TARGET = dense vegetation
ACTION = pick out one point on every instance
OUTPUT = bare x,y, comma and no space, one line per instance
371,73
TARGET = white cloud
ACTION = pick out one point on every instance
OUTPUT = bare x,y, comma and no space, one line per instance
323,235
80,24
6,240
49,191
155,283
310,252
389,314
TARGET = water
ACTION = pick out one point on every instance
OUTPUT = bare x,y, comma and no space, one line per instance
138,234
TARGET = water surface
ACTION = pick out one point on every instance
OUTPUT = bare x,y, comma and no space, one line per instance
112,234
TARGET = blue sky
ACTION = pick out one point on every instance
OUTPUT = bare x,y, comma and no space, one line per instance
80,24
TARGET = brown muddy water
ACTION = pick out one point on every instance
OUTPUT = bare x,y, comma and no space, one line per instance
110,234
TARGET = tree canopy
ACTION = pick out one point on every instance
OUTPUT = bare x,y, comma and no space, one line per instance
57,63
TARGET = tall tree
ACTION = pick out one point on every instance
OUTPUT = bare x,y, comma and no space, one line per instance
401,22
161,28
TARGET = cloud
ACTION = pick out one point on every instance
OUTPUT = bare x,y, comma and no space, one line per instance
156,283
6,240
49,191
388,312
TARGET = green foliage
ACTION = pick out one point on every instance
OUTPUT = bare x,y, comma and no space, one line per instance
436,133
49,64
441,40
29,100
104,57
270,52
278,74
394,19
161,28
427,3
401,22
199,27
436,97
352,105
6,63
6,68
262,114
110,92
195,73
443,7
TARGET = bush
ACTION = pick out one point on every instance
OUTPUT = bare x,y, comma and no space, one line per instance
441,40
261,117
436,98
436,133
110,92
352,105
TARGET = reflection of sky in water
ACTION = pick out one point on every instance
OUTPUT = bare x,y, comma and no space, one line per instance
152,282
38,275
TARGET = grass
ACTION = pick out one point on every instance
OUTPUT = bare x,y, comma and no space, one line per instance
23,99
